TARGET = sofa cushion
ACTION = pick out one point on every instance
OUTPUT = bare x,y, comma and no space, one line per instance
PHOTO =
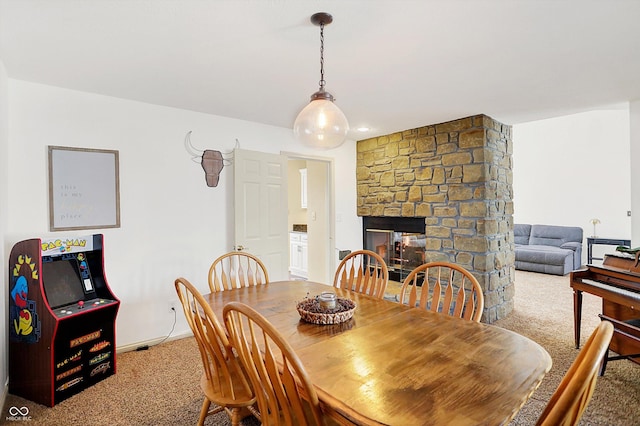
544,254
550,235
521,233
542,268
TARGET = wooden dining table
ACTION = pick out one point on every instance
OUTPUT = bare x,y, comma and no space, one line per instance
397,365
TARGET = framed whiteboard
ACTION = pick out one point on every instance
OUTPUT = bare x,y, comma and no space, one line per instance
84,188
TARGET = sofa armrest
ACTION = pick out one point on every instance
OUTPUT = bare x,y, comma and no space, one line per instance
577,253
571,245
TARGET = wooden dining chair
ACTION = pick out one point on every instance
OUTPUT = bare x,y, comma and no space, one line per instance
274,369
363,271
223,381
236,269
444,287
575,390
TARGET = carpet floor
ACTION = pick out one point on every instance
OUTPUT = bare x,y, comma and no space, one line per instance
160,386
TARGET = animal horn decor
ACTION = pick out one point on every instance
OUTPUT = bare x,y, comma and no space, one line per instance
212,161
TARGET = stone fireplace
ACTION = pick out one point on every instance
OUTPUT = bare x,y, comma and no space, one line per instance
457,176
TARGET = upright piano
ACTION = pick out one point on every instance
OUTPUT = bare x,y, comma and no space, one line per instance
617,282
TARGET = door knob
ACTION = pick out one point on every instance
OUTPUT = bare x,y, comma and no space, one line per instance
239,247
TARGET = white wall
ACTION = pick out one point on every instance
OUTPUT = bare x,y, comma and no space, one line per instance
634,117
172,224
569,170
319,268
348,231
4,203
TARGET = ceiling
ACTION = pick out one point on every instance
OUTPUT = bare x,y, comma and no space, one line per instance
391,65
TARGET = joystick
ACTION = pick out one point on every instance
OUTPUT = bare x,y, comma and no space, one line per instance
81,304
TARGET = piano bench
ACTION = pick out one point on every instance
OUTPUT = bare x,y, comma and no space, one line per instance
626,337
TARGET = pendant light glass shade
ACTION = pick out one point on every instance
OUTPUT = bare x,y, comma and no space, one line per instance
321,124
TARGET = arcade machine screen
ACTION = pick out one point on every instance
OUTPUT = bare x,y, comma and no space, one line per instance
62,282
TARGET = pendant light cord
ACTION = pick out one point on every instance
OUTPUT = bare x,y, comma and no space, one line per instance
322,82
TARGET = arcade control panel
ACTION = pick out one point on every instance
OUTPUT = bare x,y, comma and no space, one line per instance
81,306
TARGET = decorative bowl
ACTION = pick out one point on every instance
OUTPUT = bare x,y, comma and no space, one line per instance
311,311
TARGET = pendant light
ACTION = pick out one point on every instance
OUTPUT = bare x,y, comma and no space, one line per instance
321,124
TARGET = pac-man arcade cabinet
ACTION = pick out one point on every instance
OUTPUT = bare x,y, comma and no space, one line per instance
62,317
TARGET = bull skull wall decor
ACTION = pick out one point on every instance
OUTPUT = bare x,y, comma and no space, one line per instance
212,164
212,161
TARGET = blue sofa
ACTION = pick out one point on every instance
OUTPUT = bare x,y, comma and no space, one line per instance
547,249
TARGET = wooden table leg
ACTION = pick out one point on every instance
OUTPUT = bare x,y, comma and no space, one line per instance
577,315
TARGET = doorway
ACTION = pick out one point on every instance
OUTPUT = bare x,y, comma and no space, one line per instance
310,213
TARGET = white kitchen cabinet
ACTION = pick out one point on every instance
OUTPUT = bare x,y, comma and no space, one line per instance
298,263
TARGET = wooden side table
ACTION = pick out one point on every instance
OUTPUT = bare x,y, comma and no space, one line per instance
591,241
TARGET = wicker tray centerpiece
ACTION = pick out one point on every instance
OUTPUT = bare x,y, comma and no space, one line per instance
325,310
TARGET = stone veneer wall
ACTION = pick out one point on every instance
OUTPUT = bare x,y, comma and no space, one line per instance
459,176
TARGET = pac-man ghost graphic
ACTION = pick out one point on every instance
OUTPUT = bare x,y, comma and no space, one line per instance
22,312
19,292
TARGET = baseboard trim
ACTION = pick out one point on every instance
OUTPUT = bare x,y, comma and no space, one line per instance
149,343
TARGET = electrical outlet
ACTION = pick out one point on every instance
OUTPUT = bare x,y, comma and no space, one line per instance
173,306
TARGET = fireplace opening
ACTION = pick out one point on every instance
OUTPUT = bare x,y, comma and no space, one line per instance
400,241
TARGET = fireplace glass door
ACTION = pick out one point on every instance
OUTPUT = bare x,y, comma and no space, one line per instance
401,251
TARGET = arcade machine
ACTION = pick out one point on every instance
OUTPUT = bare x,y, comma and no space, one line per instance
61,318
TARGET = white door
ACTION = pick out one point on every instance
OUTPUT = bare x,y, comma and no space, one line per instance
261,209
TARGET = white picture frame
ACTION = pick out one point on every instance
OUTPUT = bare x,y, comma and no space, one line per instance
84,188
